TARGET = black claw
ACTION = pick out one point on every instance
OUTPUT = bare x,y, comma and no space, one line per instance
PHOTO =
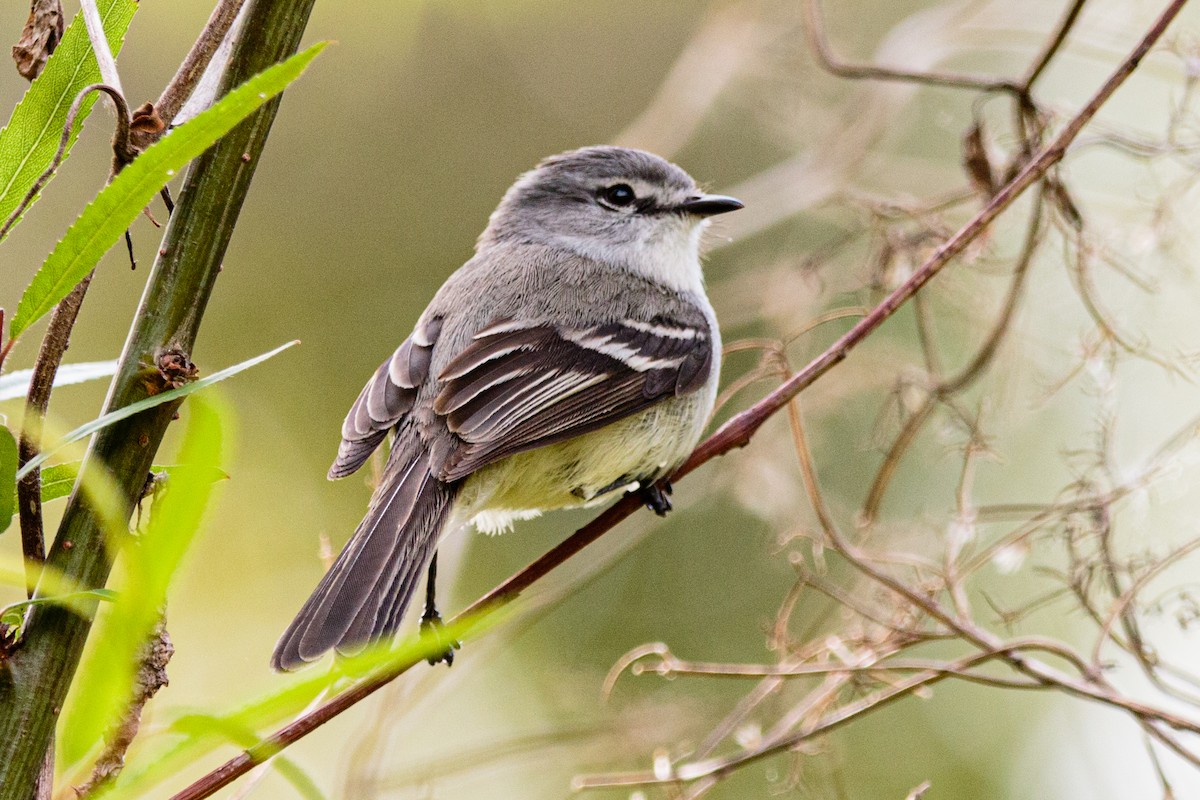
431,623
655,497
431,620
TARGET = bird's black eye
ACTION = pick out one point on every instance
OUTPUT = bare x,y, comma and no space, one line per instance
618,195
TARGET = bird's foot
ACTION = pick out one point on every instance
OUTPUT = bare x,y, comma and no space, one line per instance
431,623
655,497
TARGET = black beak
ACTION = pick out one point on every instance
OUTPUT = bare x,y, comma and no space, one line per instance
708,205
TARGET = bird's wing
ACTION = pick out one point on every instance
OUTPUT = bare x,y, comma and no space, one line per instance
521,385
386,398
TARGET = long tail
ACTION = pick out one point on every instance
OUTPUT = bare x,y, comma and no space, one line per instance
362,598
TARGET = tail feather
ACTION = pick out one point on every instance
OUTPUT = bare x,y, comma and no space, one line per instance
410,556
364,594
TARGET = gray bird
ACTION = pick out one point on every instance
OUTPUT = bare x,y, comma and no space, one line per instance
574,357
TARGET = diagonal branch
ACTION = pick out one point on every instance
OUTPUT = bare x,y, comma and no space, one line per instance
735,433
160,115
37,402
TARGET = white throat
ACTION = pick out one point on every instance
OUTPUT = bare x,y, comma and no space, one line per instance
669,256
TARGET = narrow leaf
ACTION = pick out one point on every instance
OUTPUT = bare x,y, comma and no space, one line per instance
119,203
211,727
58,480
81,602
8,477
87,429
16,384
29,141
103,685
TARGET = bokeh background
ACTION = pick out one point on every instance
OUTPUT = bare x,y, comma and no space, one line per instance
385,161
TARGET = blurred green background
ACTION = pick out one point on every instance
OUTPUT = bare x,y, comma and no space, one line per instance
384,163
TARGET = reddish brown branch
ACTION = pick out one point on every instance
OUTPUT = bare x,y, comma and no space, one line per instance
190,71
37,401
735,433
55,342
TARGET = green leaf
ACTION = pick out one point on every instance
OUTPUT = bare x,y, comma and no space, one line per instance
118,204
80,602
58,480
16,384
104,684
89,428
29,141
8,477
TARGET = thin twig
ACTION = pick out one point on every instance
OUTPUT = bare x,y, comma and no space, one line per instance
1053,45
737,431
29,488
121,133
717,767
815,31
55,341
722,766
966,376
891,460
809,472
1121,603
197,60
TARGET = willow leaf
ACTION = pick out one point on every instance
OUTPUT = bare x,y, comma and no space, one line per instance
31,137
119,203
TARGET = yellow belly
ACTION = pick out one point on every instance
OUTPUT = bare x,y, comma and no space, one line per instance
574,472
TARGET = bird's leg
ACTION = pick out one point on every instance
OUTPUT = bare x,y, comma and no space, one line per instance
654,495
431,620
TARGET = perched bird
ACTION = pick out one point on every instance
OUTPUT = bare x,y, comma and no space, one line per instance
574,357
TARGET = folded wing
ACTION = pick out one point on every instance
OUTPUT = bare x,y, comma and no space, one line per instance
522,385
386,398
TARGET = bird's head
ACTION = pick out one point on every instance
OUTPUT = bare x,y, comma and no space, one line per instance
624,207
